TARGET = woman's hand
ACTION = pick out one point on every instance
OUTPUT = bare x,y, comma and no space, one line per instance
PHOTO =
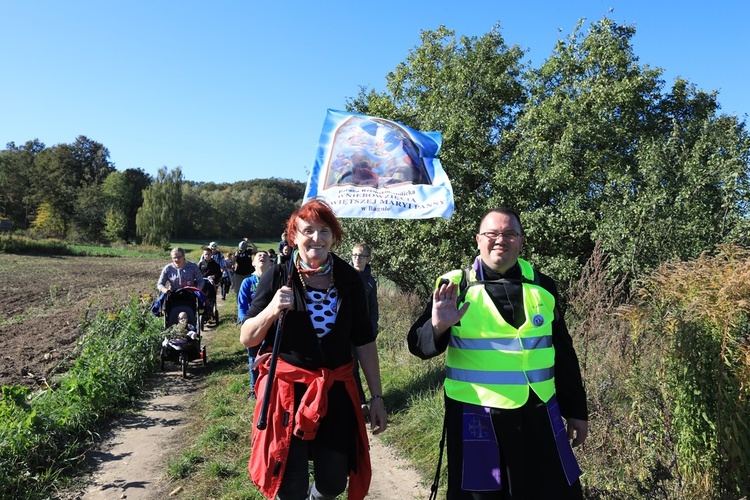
283,299
254,330
378,415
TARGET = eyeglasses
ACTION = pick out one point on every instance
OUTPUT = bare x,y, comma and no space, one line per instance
360,255
494,235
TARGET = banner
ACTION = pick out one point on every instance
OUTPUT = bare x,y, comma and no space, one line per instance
376,168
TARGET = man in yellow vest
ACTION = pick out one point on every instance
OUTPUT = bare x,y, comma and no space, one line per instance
511,373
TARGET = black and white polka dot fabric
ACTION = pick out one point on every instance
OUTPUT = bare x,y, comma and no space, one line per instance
322,310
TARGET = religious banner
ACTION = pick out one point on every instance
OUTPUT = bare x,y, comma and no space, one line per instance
376,168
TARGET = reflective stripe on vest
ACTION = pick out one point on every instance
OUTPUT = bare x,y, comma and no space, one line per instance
491,363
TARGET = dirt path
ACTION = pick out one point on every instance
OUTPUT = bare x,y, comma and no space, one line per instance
131,462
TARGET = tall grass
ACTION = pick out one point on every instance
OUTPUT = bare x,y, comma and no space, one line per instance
43,434
21,244
668,379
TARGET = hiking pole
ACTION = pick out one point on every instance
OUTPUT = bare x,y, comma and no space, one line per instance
263,419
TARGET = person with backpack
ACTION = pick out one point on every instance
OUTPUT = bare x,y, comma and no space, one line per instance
308,313
512,373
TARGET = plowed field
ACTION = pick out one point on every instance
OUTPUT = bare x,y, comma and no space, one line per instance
44,299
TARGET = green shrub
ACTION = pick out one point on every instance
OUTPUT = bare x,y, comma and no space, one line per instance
26,245
668,379
700,312
43,434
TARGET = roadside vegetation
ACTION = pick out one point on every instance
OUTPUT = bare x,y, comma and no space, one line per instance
22,244
43,434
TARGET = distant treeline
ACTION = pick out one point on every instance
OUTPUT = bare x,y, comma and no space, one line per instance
72,191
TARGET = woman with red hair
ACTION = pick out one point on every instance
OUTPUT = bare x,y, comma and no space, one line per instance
314,408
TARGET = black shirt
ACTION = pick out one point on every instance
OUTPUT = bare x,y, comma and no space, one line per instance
243,264
210,268
300,345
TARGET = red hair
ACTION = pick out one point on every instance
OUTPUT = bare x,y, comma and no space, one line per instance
315,210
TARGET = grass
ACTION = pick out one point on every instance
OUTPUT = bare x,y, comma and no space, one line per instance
25,245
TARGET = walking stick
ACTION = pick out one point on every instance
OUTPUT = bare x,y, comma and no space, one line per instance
263,419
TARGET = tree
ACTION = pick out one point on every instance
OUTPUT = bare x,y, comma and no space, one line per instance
587,147
18,187
123,196
68,178
602,154
470,89
48,222
159,216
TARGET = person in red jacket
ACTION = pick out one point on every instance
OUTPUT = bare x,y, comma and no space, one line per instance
315,412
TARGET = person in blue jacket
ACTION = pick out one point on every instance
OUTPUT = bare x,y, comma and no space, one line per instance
261,262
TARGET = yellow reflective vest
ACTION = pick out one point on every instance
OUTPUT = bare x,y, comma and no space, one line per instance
491,363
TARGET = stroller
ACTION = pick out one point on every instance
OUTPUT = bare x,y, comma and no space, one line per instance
210,311
186,349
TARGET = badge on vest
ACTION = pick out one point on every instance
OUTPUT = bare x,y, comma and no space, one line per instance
537,320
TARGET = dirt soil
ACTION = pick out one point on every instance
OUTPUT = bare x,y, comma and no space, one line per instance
46,299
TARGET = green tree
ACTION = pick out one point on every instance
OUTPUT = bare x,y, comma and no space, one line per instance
692,192
601,153
18,186
587,147
123,196
197,216
159,216
256,208
90,212
269,211
68,178
470,89
136,181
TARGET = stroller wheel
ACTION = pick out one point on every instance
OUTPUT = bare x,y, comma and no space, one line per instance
216,316
204,356
184,363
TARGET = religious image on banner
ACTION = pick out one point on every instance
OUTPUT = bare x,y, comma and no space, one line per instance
373,167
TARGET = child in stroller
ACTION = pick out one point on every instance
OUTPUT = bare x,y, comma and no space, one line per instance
182,321
182,342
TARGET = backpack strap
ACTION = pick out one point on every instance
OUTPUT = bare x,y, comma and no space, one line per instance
463,285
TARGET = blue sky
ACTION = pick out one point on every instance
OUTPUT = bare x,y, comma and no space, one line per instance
237,90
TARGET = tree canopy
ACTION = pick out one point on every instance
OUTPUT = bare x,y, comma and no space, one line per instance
588,147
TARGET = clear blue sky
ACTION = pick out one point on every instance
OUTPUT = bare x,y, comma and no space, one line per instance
237,90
